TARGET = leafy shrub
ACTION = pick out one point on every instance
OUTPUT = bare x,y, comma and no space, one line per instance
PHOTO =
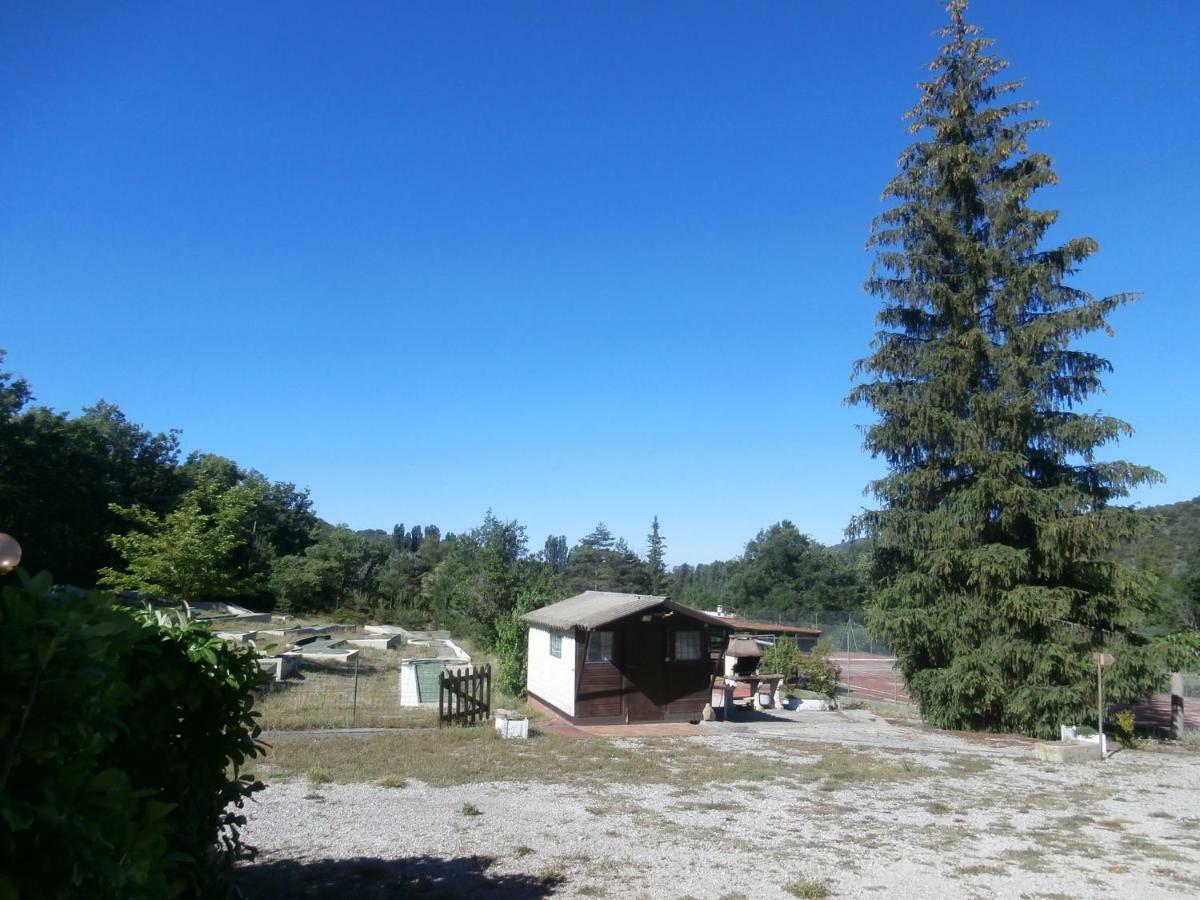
785,659
511,644
818,674
122,736
1123,729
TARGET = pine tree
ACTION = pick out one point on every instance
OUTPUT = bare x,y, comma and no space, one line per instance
656,564
992,550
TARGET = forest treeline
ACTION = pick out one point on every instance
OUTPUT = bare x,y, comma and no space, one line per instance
99,500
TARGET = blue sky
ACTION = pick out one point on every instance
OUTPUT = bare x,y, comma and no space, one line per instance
571,261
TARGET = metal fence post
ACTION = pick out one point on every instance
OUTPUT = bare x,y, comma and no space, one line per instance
354,698
849,627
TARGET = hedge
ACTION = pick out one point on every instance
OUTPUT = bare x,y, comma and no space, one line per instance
123,734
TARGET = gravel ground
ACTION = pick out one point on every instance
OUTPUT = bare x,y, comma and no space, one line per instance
956,817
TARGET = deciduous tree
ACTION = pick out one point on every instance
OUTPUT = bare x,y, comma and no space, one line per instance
189,553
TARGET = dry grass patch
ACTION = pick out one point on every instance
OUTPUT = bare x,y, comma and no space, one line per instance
1143,847
981,869
964,764
845,768
939,838
452,756
1028,858
1179,878
807,888
716,806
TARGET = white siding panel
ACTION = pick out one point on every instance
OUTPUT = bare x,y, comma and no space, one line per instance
552,678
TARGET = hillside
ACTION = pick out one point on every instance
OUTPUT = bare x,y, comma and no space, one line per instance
1169,550
1171,546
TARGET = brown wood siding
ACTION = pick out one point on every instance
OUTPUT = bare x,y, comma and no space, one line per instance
689,687
644,682
600,684
689,682
599,691
644,645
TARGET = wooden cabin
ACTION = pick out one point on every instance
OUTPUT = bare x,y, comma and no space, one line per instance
603,658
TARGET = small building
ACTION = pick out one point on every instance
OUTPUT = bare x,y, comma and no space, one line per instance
602,658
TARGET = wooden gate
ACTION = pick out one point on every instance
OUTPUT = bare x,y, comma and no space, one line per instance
464,696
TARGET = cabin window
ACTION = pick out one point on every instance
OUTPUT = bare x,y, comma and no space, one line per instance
600,646
687,645
556,645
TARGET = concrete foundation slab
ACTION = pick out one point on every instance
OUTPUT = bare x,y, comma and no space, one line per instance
1067,751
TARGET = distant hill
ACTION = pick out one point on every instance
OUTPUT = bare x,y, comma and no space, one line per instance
1172,544
1170,547
1169,550
852,550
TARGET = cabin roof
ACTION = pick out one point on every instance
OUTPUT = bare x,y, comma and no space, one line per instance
593,609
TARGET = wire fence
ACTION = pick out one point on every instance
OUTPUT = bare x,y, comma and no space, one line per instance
363,692
866,664
841,631
1191,685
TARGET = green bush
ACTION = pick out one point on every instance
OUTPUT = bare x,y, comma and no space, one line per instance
122,736
818,674
783,659
511,644
1123,726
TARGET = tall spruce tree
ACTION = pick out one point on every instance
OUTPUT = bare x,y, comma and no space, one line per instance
992,561
656,563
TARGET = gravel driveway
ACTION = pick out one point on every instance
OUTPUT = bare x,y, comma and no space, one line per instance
914,813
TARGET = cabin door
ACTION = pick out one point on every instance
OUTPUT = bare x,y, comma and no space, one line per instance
645,663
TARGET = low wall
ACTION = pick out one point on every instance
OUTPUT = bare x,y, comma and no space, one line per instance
280,667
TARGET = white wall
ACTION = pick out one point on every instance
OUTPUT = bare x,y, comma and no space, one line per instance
552,678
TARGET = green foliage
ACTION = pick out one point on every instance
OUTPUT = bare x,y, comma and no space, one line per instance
1123,728
482,575
1168,548
656,565
602,562
511,644
337,571
69,484
786,573
818,673
59,475
123,738
190,552
992,554
467,582
1178,651
784,659
555,553
703,586
783,575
